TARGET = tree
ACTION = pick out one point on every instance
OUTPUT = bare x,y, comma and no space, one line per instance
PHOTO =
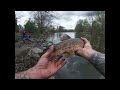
94,30
16,26
30,26
79,28
98,31
101,21
42,19
20,28
60,28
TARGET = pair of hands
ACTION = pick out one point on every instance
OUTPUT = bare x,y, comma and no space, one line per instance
46,68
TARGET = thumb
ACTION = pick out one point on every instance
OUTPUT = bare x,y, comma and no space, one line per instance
79,51
50,50
85,40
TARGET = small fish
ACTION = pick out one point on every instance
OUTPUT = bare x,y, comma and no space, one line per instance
67,47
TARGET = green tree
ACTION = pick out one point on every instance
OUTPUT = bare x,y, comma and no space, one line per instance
60,28
98,31
79,28
100,17
20,27
16,26
30,26
43,19
93,30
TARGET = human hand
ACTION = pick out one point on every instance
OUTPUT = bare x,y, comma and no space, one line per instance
87,50
46,67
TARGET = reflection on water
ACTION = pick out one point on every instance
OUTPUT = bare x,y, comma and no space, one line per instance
55,38
76,67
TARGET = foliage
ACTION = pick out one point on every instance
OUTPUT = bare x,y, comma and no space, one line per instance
94,31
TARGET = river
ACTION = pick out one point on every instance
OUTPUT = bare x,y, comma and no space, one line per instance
76,67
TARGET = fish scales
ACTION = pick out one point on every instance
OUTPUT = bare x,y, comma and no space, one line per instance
67,46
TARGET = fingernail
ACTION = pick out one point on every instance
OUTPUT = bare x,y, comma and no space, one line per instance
58,57
52,47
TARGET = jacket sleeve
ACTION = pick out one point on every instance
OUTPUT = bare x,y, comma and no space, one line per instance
98,61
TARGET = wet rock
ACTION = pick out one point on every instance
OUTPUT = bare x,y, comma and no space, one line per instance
49,44
35,53
52,77
21,51
26,57
44,48
65,37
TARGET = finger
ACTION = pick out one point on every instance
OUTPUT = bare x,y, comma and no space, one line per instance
62,64
55,58
58,58
60,61
50,50
79,51
85,40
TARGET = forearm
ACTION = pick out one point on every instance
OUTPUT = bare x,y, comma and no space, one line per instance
28,74
98,61
22,75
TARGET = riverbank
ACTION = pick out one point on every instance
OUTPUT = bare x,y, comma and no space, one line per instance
26,56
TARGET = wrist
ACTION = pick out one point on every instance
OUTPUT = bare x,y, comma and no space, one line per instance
31,73
89,53
34,73
24,75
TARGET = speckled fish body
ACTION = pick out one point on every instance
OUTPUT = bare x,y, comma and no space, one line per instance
67,47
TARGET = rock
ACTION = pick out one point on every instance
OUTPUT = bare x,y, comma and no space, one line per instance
49,44
35,53
64,37
52,77
37,50
19,44
43,44
44,48
21,51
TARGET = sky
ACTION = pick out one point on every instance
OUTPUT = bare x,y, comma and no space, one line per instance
67,19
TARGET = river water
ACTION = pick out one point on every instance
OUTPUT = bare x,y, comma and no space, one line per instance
76,67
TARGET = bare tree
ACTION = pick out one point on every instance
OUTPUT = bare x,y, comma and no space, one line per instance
43,19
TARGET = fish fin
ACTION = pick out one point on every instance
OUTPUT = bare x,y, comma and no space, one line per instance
72,53
66,55
75,56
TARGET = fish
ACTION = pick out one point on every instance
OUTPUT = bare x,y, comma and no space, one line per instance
68,47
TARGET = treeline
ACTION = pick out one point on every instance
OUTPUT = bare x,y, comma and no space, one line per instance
94,30
65,31
62,29
41,22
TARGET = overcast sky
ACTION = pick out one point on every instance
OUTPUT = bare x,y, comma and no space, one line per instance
66,19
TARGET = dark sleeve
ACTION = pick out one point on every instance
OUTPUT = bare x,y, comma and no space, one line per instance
98,61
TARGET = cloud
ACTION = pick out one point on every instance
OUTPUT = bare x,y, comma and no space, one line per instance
67,19
22,17
68,14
